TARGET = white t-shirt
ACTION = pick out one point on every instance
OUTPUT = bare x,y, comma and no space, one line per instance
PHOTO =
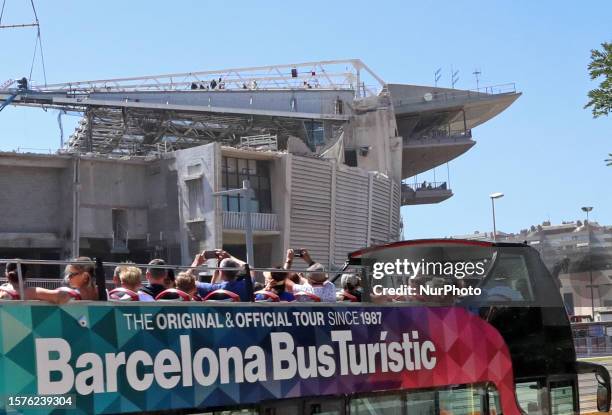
326,291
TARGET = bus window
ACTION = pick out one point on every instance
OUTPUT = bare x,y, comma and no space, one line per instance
377,404
421,403
562,398
530,397
508,280
245,411
290,407
461,401
323,406
494,403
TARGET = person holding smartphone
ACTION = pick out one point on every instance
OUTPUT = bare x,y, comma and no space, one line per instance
224,278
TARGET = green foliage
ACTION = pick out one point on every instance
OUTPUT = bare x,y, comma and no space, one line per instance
600,99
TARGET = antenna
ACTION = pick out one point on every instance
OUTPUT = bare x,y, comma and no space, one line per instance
454,76
477,73
437,76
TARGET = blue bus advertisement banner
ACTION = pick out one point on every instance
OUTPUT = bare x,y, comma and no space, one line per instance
112,358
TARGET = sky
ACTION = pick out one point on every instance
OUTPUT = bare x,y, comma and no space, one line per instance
545,153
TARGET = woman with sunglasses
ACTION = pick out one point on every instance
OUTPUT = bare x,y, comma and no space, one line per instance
80,277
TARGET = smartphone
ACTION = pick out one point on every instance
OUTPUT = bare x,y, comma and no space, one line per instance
209,254
297,253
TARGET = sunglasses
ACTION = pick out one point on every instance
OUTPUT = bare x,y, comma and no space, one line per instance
72,274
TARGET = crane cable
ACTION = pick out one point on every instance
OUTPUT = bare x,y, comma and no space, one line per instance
37,44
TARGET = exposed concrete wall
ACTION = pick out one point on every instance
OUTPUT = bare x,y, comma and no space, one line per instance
203,163
280,184
375,127
31,199
112,185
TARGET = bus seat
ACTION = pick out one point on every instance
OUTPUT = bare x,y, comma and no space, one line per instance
345,296
172,294
14,294
222,295
74,294
269,297
122,294
305,297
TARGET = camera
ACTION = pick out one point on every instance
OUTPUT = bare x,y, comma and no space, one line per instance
209,254
298,253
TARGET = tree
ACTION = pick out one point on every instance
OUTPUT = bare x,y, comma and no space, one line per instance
600,99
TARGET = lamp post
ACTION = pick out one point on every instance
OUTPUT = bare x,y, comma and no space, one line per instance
587,209
494,196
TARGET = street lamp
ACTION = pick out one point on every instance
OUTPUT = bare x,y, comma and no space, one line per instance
587,209
494,196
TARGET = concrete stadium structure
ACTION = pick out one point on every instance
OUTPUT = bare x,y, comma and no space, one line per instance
328,148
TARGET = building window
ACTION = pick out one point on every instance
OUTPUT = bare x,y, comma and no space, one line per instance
315,134
195,198
257,172
350,157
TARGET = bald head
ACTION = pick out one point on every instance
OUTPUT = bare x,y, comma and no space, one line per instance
229,274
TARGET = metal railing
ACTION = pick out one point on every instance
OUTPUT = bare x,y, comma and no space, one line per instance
266,141
54,283
349,74
260,221
440,135
424,186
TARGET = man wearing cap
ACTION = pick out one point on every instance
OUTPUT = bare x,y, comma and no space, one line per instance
314,281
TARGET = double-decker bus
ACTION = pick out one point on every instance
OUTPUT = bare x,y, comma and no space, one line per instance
444,327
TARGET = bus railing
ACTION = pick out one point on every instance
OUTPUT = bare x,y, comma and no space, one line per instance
54,283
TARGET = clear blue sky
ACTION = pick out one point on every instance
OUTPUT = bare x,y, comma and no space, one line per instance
545,152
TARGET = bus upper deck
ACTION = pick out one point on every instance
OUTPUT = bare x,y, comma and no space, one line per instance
399,352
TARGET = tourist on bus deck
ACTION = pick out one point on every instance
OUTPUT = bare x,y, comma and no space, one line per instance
351,284
155,278
315,281
186,282
10,290
169,280
224,279
275,282
80,277
131,278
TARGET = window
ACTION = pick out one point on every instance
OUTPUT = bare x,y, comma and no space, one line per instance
463,400
315,134
119,219
350,158
378,404
568,300
421,403
530,397
561,398
195,199
234,171
509,280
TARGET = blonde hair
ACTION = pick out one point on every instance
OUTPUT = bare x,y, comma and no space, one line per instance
185,282
130,276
